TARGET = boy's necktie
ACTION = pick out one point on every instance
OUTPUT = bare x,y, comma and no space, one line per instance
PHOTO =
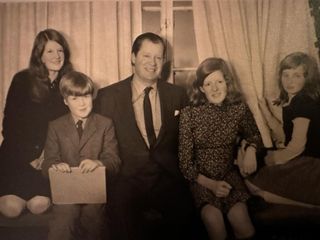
79,128
148,118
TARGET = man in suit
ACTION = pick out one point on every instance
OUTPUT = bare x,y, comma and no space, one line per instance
80,139
145,111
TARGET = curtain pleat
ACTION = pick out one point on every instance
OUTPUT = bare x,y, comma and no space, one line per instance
253,36
124,38
104,56
99,33
204,46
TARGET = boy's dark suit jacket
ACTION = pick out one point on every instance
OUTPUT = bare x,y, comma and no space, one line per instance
115,101
98,142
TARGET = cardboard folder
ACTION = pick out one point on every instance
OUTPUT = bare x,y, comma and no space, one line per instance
77,187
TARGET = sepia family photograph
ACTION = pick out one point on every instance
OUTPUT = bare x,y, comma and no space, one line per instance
159,119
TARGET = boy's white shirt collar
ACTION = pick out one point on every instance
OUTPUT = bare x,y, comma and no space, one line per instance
84,120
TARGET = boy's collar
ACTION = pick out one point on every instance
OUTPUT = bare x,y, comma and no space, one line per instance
76,119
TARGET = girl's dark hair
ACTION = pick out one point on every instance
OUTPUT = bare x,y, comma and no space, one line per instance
207,67
76,84
39,72
311,74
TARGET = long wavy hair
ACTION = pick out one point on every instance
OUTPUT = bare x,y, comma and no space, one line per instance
40,74
311,87
207,67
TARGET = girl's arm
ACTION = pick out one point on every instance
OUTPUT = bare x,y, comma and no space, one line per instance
295,147
14,119
273,123
186,146
253,141
52,156
218,188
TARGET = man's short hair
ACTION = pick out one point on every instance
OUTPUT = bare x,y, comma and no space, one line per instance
147,36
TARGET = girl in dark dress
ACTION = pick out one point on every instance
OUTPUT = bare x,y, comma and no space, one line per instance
32,101
208,134
292,172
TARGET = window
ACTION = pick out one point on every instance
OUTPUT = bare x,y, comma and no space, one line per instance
174,21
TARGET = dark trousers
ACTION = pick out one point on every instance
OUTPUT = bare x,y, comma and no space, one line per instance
150,208
77,221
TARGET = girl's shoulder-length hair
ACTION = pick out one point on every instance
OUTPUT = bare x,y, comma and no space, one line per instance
207,67
311,87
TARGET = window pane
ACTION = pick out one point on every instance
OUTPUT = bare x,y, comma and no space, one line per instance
184,43
185,79
151,17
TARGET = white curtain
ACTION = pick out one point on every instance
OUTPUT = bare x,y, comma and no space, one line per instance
253,36
99,33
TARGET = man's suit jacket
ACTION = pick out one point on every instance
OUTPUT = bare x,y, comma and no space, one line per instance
98,142
115,101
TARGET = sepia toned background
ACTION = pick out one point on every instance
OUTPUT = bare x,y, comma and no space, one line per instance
252,35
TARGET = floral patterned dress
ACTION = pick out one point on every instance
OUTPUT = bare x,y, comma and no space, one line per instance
207,140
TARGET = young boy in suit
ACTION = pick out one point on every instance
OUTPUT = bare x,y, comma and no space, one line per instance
79,139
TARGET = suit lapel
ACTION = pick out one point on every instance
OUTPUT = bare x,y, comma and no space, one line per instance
71,131
88,131
164,111
125,102
127,118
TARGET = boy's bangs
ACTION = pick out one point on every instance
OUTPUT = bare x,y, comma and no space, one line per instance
79,91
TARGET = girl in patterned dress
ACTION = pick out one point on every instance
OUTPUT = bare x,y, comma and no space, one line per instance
209,130
292,171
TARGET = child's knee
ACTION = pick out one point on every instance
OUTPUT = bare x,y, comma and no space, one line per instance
244,232
11,206
211,214
240,221
38,204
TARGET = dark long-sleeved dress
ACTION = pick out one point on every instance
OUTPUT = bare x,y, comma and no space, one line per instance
24,132
299,178
207,138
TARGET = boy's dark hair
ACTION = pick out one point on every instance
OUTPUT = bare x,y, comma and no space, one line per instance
76,84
